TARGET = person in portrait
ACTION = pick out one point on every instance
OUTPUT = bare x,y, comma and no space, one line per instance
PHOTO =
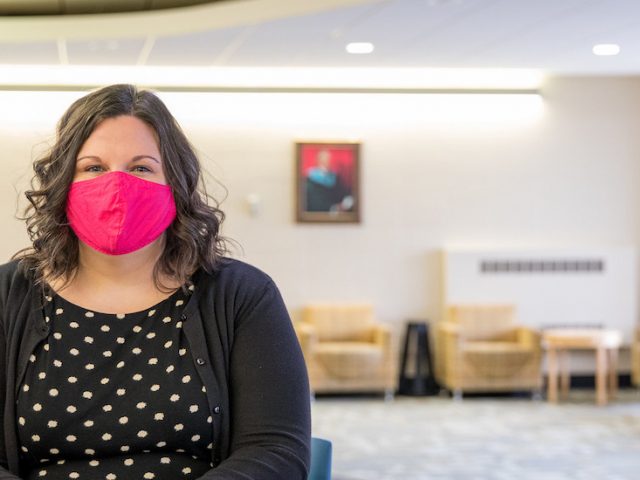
325,190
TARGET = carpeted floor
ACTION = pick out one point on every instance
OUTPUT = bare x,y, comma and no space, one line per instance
483,438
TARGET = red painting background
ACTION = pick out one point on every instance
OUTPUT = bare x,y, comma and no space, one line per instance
341,163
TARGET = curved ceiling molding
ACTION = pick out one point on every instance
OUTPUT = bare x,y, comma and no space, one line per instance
171,21
79,7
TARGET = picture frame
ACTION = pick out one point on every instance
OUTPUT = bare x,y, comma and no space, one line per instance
327,182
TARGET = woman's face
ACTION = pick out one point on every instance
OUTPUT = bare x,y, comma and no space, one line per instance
121,144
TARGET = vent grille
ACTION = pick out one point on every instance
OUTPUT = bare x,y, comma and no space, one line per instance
554,266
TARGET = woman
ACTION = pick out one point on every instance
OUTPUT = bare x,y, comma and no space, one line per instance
132,347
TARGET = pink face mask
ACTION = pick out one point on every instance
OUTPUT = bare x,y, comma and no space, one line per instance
117,213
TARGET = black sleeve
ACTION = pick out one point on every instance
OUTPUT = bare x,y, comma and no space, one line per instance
269,390
4,288
4,473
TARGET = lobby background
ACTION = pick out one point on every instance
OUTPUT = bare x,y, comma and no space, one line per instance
560,170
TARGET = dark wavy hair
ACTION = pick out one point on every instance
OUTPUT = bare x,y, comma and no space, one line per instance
192,241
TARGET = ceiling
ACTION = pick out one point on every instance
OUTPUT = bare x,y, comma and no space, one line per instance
555,36
72,7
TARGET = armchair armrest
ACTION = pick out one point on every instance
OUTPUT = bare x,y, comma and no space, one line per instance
448,351
635,358
452,336
450,331
529,337
381,335
449,327
307,336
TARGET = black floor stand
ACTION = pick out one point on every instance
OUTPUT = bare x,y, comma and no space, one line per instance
420,379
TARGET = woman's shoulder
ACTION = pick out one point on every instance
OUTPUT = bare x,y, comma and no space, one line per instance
14,281
231,272
11,272
10,266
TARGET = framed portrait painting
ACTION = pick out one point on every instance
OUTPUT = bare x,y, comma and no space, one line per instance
328,182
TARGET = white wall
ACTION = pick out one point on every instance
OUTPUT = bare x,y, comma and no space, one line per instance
436,171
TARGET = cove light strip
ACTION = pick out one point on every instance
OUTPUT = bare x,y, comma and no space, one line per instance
67,77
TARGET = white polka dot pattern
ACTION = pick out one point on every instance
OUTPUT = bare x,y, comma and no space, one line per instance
140,410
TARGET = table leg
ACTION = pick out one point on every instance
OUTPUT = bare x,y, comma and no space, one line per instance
601,375
565,379
552,373
613,372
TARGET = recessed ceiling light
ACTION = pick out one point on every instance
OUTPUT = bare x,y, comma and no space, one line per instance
438,3
606,49
360,47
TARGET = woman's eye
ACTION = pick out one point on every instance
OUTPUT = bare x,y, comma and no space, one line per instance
140,168
93,168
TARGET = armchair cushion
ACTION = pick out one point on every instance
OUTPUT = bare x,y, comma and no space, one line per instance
478,322
350,359
497,359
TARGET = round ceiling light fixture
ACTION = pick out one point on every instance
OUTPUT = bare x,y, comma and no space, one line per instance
360,48
606,49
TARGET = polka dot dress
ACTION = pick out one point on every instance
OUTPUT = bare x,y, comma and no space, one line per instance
114,397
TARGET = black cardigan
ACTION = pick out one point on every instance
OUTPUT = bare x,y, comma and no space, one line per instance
246,353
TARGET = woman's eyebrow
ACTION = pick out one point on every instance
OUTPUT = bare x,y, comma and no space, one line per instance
136,158
140,157
92,157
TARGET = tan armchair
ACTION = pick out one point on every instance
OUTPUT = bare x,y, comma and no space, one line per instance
345,349
635,358
480,349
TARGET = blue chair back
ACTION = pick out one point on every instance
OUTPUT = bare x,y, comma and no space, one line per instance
320,459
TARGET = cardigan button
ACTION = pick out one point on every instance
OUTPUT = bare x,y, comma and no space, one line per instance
200,361
183,317
216,409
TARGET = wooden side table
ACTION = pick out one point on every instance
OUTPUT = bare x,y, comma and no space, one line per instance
560,341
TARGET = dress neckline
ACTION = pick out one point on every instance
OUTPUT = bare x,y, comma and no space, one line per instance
176,296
